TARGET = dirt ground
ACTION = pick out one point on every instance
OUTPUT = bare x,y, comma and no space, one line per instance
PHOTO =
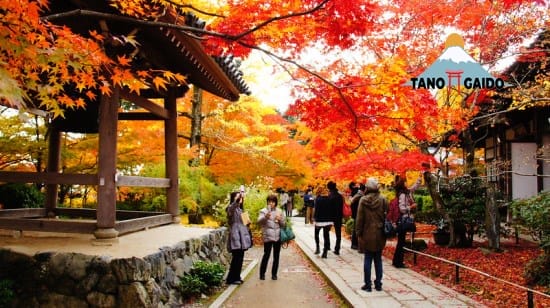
299,284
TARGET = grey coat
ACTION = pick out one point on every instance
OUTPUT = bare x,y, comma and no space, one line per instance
271,230
239,237
370,222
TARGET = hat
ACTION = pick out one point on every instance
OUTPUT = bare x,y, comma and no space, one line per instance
372,184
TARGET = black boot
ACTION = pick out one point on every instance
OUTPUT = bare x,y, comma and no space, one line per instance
324,255
317,251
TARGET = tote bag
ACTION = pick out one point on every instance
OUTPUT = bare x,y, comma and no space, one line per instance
287,235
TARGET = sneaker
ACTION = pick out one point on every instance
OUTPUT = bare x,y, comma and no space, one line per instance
262,277
237,282
378,288
274,277
366,288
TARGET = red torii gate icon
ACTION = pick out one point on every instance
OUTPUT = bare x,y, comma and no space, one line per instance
451,75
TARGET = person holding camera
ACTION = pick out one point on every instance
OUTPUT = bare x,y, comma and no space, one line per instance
271,219
406,205
239,238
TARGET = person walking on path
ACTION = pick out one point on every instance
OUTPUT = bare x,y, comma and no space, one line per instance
323,215
369,227
290,204
309,204
283,199
354,204
406,205
336,201
271,220
239,238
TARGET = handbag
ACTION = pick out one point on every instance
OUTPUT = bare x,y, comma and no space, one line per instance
406,224
287,235
389,229
245,218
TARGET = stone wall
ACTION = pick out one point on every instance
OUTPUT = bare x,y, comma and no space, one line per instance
78,280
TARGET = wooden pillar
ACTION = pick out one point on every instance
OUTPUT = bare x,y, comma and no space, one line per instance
54,159
171,155
106,193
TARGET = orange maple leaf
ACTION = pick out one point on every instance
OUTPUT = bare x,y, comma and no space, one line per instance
159,82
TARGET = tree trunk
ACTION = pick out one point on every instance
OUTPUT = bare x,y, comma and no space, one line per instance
492,218
432,184
196,117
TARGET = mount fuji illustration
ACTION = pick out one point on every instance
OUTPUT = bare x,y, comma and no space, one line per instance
455,68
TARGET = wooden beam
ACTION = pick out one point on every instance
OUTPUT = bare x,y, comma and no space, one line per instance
73,213
137,224
47,178
140,181
139,116
171,155
54,160
125,215
106,191
144,103
47,225
23,213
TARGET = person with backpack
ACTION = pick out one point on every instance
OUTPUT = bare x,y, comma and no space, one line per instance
369,227
406,205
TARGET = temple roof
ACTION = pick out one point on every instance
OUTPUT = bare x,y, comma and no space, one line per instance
160,48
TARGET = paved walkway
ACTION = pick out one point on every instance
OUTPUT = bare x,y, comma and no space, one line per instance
401,287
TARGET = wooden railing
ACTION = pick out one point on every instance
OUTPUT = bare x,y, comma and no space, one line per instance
458,266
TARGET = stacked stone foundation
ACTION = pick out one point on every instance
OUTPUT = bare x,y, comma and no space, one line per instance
55,279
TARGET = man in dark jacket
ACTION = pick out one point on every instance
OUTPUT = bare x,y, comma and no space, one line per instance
354,203
336,201
323,215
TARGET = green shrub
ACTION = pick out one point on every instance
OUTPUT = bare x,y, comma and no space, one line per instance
18,195
191,285
350,225
537,271
6,292
298,204
202,277
534,214
425,203
211,273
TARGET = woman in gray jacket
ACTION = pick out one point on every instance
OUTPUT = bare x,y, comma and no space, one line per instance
239,238
271,219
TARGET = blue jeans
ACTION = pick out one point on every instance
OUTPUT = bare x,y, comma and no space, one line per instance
377,258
